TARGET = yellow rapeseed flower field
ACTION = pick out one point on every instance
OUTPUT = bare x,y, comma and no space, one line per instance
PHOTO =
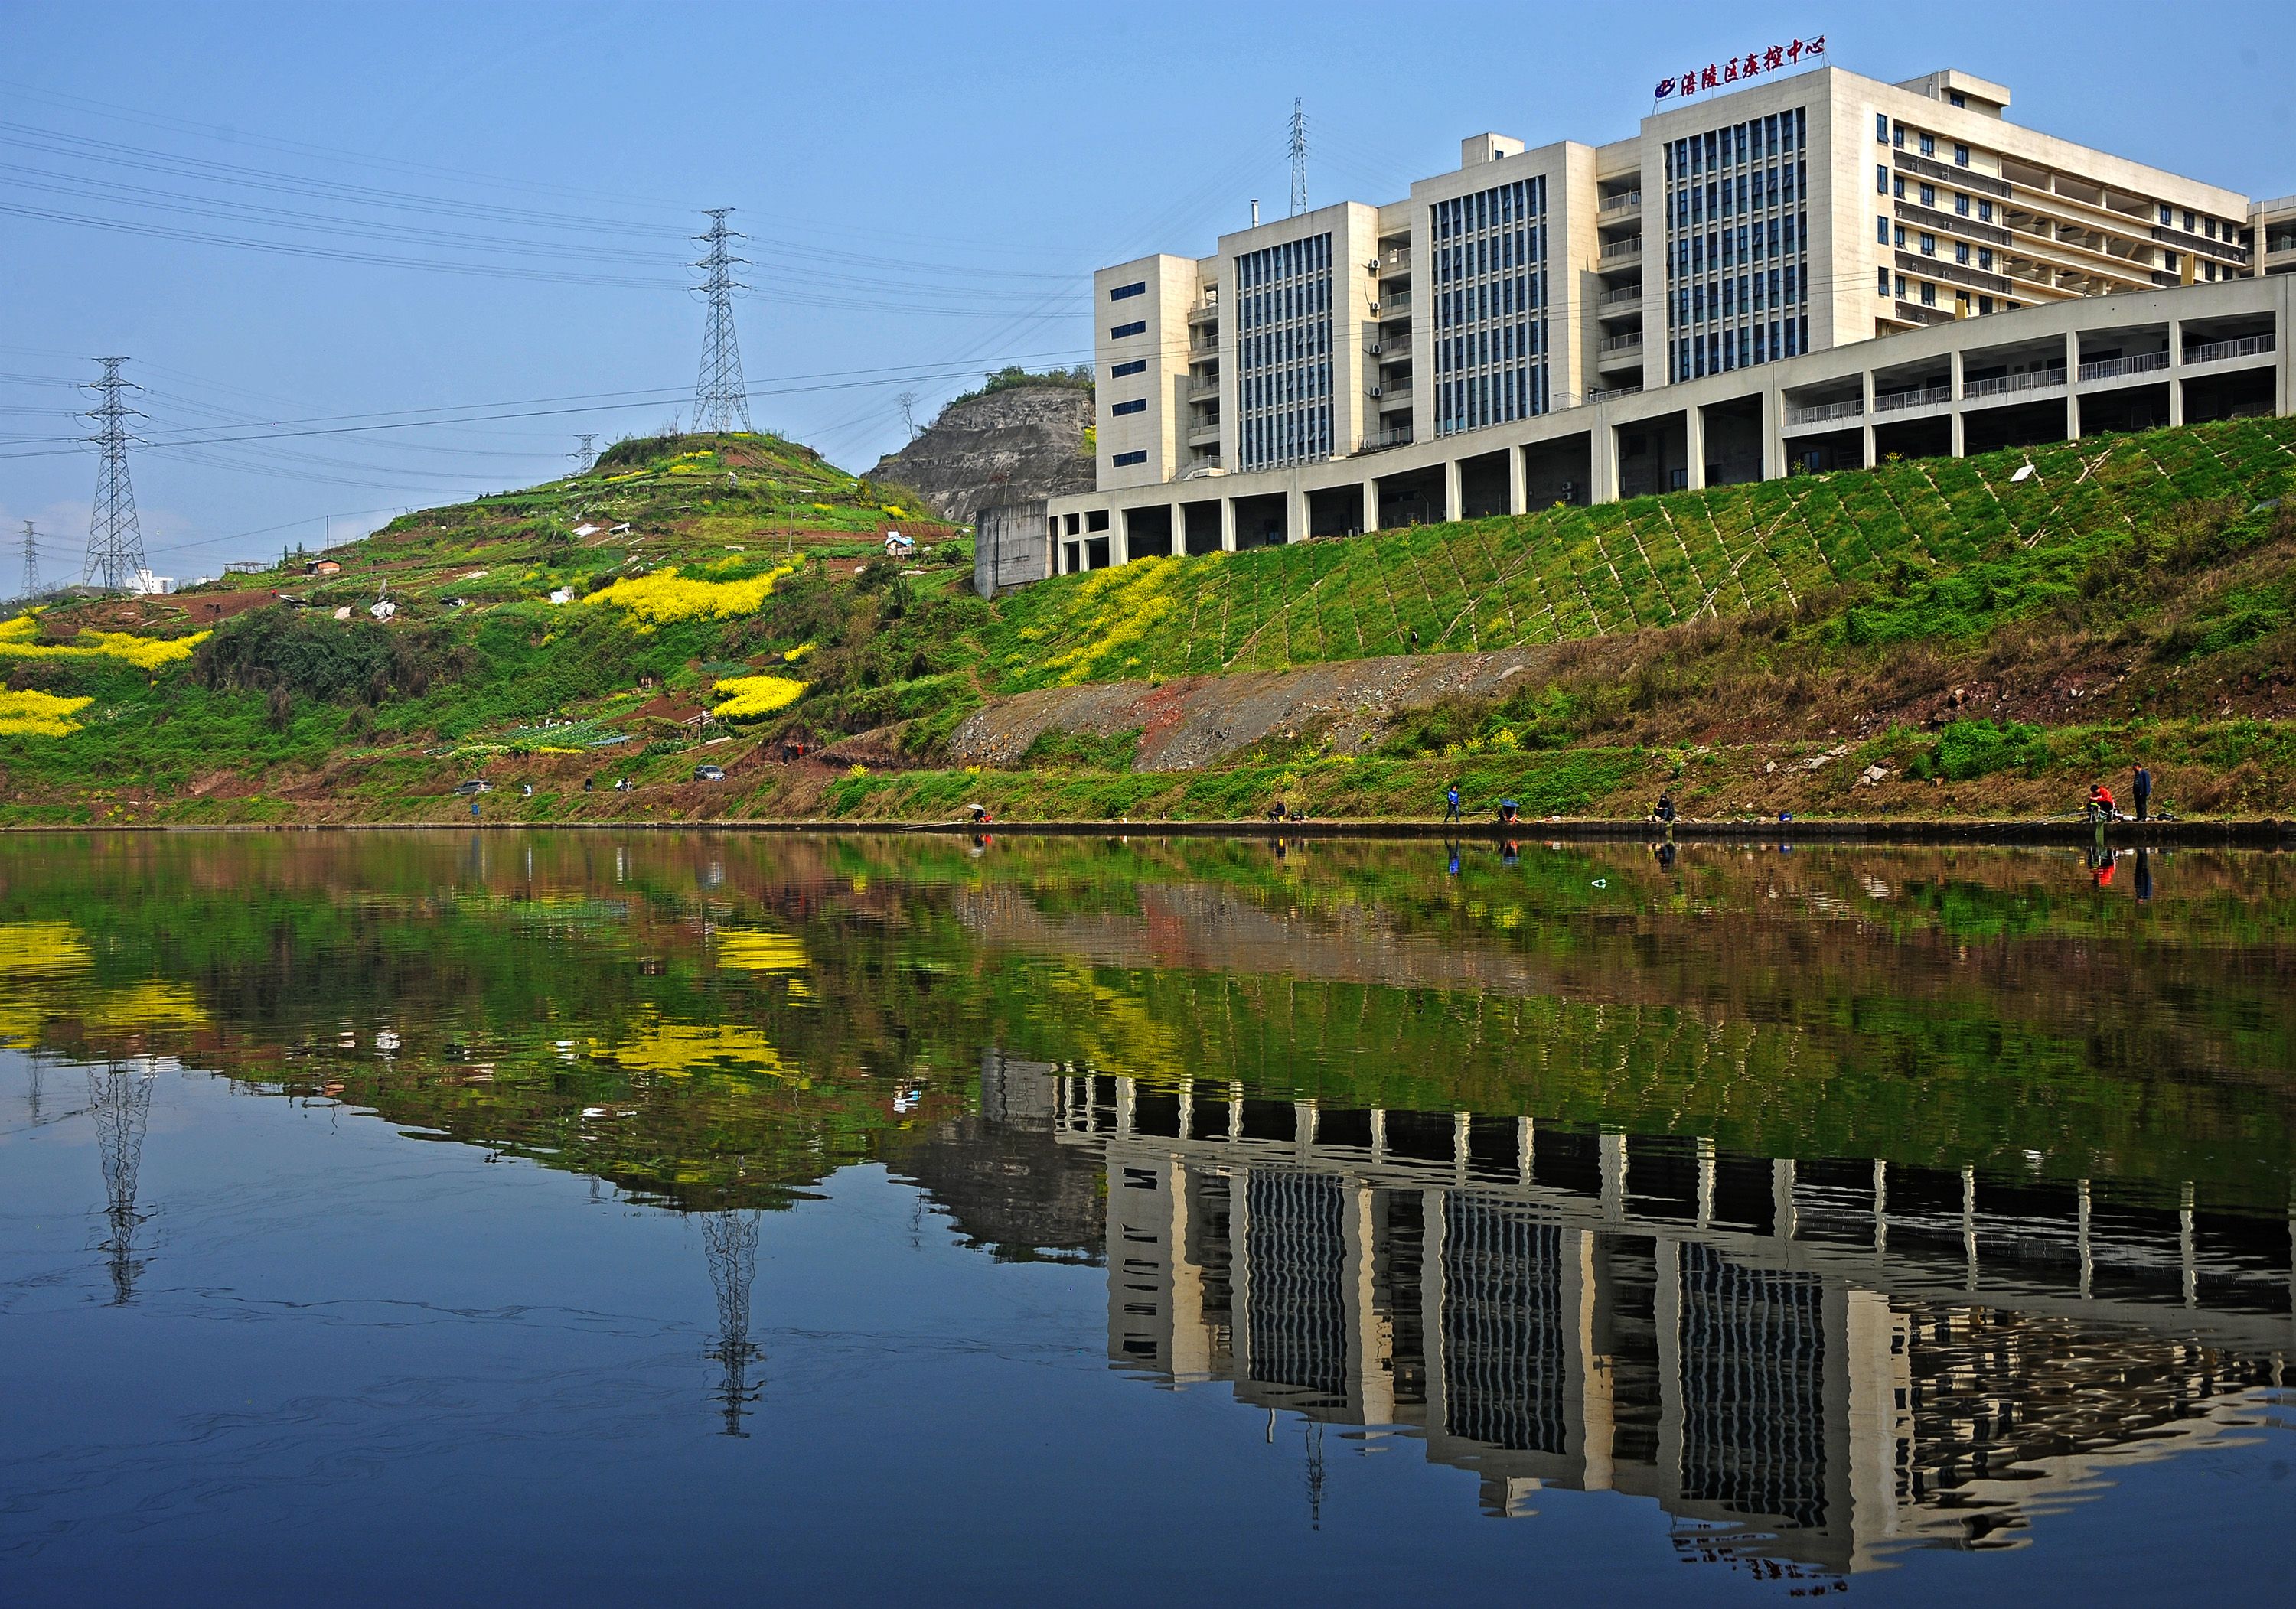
749,697
144,653
27,713
666,595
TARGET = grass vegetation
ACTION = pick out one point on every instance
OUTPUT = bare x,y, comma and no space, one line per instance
1932,636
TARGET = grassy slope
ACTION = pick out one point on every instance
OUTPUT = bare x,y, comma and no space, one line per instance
2132,593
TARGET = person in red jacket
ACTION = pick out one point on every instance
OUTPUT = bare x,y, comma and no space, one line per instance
2100,803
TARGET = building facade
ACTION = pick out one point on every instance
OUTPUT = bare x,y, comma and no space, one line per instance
1672,298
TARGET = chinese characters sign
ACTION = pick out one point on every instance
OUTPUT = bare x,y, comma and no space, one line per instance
1714,74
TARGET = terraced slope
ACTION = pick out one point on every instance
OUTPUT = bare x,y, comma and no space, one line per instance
1936,547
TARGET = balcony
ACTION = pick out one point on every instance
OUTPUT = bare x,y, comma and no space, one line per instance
1378,442
1961,177
1618,206
1393,261
1826,413
1951,223
1595,394
1393,303
1206,391
1627,346
1392,394
1617,254
1205,312
2223,252
1624,296
1920,396
2218,352
1204,436
2010,385
1914,313
2114,368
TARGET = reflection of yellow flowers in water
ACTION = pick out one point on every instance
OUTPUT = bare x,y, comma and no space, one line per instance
685,1050
666,595
42,947
43,977
754,696
144,653
754,951
33,715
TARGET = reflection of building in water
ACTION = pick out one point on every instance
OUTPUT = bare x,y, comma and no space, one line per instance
1806,1364
120,1095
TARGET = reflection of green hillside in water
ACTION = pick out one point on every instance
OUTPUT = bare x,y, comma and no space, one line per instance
720,1018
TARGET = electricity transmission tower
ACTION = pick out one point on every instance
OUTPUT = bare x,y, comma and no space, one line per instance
730,1239
114,538
721,401
585,455
1299,158
31,562
120,1097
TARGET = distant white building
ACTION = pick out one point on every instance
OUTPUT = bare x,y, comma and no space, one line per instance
145,584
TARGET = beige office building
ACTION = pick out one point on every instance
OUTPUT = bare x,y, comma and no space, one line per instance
1445,340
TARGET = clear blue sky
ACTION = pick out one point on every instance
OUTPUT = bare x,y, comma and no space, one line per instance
925,187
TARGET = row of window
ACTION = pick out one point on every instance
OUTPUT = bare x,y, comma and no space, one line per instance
1691,356
1507,344
1886,234
1489,255
1738,296
1886,182
1125,292
1491,208
1125,461
1138,366
1117,333
1893,134
1735,197
1490,399
1757,140
1283,356
1718,250
1496,298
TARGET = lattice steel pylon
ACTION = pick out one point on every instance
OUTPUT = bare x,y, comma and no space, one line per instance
120,1097
586,454
721,401
114,538
730,1239
1299,157
31,561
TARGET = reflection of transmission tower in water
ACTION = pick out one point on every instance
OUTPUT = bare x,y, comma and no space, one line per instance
120,1096
731,1241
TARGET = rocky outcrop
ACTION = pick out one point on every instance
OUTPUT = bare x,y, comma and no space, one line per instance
1010,446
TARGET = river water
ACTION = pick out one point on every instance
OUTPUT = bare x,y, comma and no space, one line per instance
713,1217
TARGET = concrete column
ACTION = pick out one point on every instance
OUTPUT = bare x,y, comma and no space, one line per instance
1295,514
1597,1421
1960,449
1370,1344
1179,529
1515,490
1227,524
1880,1209
1782,1199
1303,1127
1613,1151
1120,536
1450,488
1234,1112
1667,1317
1123,1109
1239,1277
1378,1137
2176,371
1187,1109
1371,505
1693,447
1189,1351
1865,418
1459,1151
1774,432
1525,1144
1432,1292
1705,1182
2072,385
1602,466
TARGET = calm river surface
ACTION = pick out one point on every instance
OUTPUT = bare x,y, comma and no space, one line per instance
706,1218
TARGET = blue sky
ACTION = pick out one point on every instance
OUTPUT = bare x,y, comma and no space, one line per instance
925,187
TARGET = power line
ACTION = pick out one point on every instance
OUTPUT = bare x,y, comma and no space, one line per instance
720,397
115,537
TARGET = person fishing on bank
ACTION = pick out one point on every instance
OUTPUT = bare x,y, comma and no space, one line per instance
1451,802
2140,789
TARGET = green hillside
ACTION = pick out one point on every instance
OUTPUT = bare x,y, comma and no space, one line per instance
1988,632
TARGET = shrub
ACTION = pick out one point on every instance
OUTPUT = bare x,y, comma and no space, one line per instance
1969,749
279,650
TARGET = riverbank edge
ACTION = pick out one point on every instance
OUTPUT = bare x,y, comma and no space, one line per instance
2266,833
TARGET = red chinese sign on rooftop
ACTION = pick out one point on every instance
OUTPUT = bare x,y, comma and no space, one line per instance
1754,63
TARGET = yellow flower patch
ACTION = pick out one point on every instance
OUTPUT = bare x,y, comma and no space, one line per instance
666,595
751,696
35,714
144,653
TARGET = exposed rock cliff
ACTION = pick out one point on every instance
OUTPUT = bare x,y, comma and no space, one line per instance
1010,445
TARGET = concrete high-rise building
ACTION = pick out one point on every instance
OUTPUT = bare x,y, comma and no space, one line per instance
1450,338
